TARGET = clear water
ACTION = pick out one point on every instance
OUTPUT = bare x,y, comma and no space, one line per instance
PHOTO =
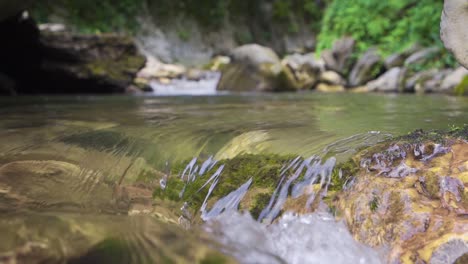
68,167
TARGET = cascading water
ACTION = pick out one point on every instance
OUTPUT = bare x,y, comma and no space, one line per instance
278,236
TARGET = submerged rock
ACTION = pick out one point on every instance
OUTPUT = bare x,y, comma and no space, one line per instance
410,195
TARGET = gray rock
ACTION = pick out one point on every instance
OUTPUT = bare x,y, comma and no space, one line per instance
454,30
302,71
253,68
421,55
254,54
395,60
432,83
391,81
453,79
338,59
366,68
422,76
332,78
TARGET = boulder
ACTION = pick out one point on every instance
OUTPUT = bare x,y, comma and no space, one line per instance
391,81
453,79
62,62
421,55
453,30
302,71
338,59
331,77
433,83
366,68
104,63
422,76
409,195
253,68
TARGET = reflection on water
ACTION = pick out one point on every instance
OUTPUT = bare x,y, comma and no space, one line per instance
77,174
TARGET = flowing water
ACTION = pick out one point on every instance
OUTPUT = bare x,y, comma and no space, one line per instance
78,174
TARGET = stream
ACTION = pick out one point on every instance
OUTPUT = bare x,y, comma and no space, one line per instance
78,174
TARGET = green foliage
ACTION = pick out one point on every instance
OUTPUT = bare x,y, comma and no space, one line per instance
392,25
91,16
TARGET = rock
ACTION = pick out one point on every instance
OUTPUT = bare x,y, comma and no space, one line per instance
395,60
51,27
398,59
331,77
453,79
418,77
62,62
155,69
330,88
218,63
366,68
391,81
253,68
91,63
338,59
409,195
432,84
421,56
453,30
302,71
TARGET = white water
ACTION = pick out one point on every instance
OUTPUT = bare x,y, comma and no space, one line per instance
205,86
311,238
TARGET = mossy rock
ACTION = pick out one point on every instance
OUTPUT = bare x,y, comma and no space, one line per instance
409,194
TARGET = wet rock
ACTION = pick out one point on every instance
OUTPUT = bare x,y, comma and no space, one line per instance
338,59
453,79
302,71
410,196
391,81
253,68
330,88
366,68
155,69
453,31
331,77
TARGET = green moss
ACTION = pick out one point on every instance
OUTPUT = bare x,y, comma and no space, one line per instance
436,136
214,258
347,170
374,204
261,201
432,185
264,169
462,87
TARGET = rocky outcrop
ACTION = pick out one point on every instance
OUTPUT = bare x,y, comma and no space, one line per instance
410,195
338,59
62,62
366,68
253,68
391,81
302,71
453,30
